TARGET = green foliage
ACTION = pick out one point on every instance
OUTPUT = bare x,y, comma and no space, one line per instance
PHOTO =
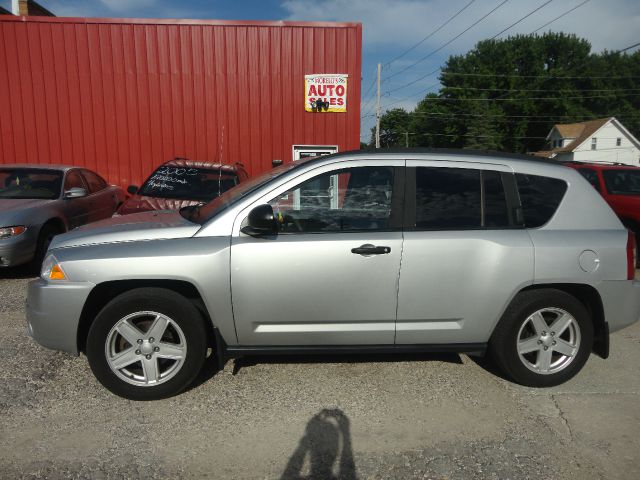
523,92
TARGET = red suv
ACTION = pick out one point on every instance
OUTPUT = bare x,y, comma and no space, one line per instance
619,184
179,183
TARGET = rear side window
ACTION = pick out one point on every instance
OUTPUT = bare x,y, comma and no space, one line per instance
540,198
452,199
622,182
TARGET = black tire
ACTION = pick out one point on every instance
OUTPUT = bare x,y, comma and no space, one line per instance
168,303
47,232
504,341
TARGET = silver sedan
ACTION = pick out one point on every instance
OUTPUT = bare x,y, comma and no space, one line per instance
38,202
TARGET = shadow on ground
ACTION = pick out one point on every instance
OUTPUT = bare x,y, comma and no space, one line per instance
22,271
212,367
324,451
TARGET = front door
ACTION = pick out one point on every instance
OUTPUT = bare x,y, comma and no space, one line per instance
330,275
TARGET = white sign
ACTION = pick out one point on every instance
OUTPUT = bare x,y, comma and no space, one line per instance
325,92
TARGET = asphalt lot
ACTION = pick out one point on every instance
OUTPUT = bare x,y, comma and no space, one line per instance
425,416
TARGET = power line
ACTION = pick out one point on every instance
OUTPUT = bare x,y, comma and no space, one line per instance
469,135
578,118
544,90
560,16
628,48
529,119
518,21
443,45
428,36
481,99
547,77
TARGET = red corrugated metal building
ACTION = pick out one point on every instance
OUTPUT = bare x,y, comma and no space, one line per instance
121,96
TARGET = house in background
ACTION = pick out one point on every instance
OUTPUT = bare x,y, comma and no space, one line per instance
26,8
604,140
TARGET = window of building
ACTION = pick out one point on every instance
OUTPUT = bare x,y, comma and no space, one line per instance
540,198
618,142
594,143
340,201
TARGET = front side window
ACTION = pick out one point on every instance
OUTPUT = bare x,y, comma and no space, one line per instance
618,141
594,143
459,199
73,180
94,181
622,181
30,183
540,198
348,200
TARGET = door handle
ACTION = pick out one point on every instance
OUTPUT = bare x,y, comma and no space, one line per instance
368,249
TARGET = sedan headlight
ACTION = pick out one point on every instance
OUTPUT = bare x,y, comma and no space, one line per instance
51,269
6,232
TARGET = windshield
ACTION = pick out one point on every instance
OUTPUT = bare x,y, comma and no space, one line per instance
622,182
202,184
202,214
30,183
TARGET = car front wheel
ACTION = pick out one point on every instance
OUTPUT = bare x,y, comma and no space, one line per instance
147,344
544,338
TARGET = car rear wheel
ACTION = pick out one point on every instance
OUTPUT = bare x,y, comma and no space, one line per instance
147,344
543,339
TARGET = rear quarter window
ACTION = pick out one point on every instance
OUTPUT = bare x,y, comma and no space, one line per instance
540,198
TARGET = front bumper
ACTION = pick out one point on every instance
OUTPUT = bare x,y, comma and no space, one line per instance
18,250
53,313
621,302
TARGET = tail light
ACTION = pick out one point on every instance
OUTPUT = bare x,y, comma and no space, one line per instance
631,256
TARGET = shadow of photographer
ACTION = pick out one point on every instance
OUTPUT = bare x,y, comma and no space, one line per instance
327,445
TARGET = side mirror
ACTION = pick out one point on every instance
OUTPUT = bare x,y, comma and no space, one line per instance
75,192
132,189
261,222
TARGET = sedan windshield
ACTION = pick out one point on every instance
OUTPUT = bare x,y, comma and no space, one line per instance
30,183
202,214
201,184
622,182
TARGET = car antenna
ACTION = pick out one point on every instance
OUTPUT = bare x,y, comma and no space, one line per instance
221,163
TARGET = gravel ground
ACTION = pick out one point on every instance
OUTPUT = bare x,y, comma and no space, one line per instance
421,416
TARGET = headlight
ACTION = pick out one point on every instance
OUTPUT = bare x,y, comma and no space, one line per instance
6,232
51,269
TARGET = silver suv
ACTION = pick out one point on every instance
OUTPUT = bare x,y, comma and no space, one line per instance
355,252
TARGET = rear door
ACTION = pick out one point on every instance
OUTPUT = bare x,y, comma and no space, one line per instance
464,252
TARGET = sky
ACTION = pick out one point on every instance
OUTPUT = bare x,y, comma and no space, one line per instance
391,27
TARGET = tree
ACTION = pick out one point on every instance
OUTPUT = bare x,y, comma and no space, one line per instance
394,125
507,94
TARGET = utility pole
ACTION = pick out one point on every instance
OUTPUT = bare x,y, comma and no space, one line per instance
378,110
406,139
